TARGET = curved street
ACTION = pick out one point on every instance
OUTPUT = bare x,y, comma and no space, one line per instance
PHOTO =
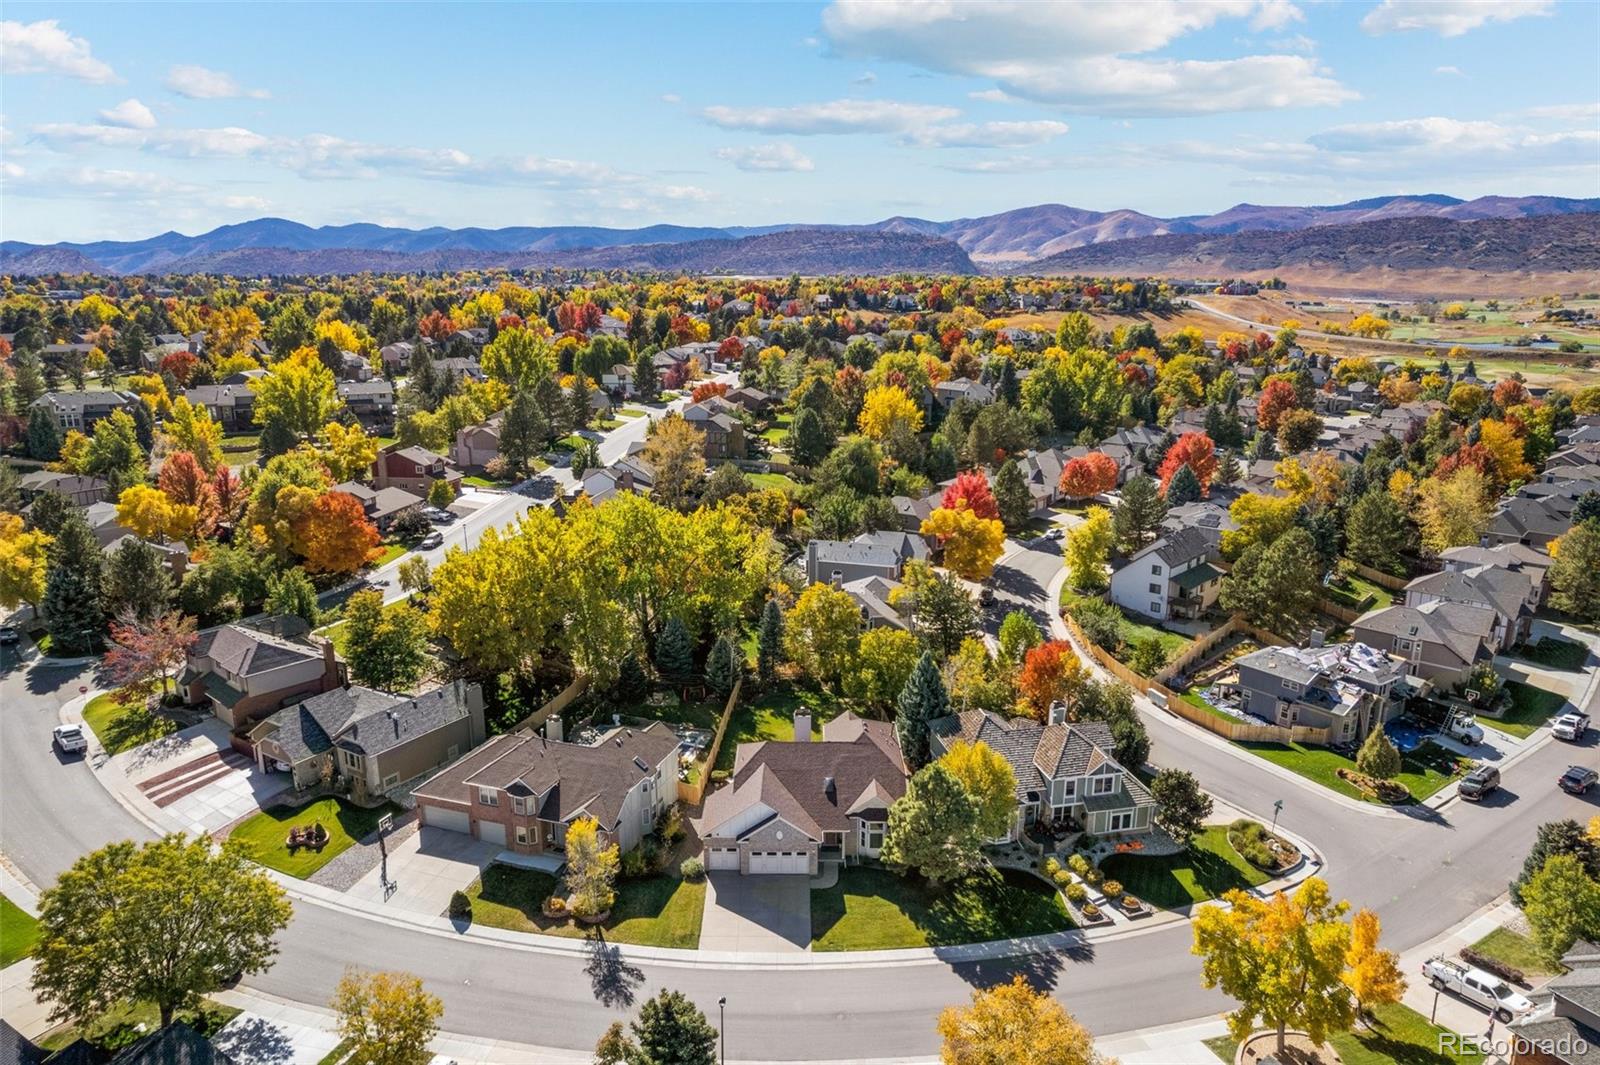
1422,872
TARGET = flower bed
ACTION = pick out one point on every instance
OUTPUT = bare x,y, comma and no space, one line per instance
1265,850
1384,790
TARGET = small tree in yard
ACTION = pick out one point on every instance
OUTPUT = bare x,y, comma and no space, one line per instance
386,1018
674,656
990,783
723,665
923,699
933,827
1562,904
1012,1024
415,575
614,1047
1557,837
1181,806
291,592
165,923
386,647
671,1030
591,869
146,654
1378,758
1371,973
441,493
769,642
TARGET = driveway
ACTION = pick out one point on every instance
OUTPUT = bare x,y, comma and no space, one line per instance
196,778
756,914
424,869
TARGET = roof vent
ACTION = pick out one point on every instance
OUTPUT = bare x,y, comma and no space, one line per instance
829,790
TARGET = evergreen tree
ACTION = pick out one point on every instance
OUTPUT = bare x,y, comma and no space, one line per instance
44,435
1138,515
1007,387
810,439
50,511
725,482
578,401
632,684
144,427
74,593
1262,446
933,827
1011,496
946,615
1227,469
137,580
1553,838
1575,577
1183,488
674,655
1378,758
1375,531
523,431
645,385
769,642
28,384
923,699
672,1031
1276,586
723,665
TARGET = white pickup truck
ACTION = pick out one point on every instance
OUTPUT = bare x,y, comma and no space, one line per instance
1484,990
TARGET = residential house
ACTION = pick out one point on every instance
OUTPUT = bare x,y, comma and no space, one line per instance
230,406
1537,514
370,743
371,401
947,392
1441,641
396,357
460,366
874,595
1041,472
792,805
618,380
601,485
413,468
839,562
1170,578
1564,1026
724,432
175,557
1347,688
523,791
478,445
913,512
244,674
81,410
1518,558
79,489
1210,518
382,505
751,400
1066,773
1509,596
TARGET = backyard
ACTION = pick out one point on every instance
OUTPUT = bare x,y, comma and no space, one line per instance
1399,1036
1357,593
771,717
1423,771
18,932
120,728
264,835
655,911
130,1021
1206,870
1132,630
1530,708
874,909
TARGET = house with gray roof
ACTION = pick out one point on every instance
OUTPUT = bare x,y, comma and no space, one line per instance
370,743
244,674
80,489
1518,558
371,401
382,505
1441,641
1509,596
1537,514
839,562
230,406
81,410
1347,688
1065,772
873,595
1171,578
1564,1026
1210,518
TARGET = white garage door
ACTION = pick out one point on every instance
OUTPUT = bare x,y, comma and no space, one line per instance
779,862
492,832
454,820
724,857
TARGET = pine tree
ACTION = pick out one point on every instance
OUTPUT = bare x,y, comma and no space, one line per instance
137,581
809,438
44,435
523,431
769,642
74,593
1375,531
722,665
923,699
578,401
1007,386
1262,446
674,656
1227,469
631,680
645,385
1011,496
1183,488
28,384
1378,757
1139,514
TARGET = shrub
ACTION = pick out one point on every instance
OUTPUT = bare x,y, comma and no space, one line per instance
1088,841
1131,902
497,469
669,826
718,776
1051,867
1111,888
1094,876
556,904
691,869
1100,621
1499,968
1062,879
633,863
1077,894
1078,864
1090,910
460,906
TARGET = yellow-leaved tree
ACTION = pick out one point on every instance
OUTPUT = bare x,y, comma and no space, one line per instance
885,407
151,515
191,428
1372,974
386,1018
972,544
989,783
1012,1024
350,451
591,868
23,562
1452,511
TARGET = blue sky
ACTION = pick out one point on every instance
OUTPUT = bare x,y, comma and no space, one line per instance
121,121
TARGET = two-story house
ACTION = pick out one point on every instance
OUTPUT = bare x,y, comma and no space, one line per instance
791,806
81,410
724,431
1170,578
1066,773
1518,558
1440,641
1347,688
79,489
413,468
1564,1025
523,791
476,446
371,401
839,562
244,674
1504,593
230,406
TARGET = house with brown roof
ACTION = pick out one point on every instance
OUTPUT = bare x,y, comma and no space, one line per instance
791,806
1065,772
413,468
724,431
523,791
244,674
477,445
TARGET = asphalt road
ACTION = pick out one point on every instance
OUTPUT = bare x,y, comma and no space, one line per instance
1423,874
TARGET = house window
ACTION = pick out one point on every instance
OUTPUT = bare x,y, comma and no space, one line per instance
488,797
872,835
1069,789
1291,686
1119,822
520,804
1155,589
1102,785
1155,569
391,780
1155,608
522,834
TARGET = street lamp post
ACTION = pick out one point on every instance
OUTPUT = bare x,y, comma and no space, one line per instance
722,1029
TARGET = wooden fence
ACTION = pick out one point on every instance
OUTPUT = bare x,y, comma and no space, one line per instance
1337,612
560,702
1378,577
694,793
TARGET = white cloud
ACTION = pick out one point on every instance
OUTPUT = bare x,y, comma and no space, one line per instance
993,96
1014,164
837,116
1449,72
199,83
1432,134
137,188
45,48
1082,57
671,98
767,157
987,134
1585,112
1448,18
129,113
1297,43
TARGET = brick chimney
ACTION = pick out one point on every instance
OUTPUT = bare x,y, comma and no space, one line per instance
802,724
1058,713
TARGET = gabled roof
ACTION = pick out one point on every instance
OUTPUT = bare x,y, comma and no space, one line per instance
1036,753
176,1044
1499,589
247,652
1456,627
1178,546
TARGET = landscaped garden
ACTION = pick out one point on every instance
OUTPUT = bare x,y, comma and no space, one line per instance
1130,632
651,911
265,835
1423,771
874,909
1399,1036
121,727
18,932
1210,867
1530,707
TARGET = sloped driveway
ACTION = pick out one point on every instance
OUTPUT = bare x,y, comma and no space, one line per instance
756,914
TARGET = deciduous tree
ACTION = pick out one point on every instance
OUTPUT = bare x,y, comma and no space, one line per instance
1019,633
1371,973
298,395
989,782
335,535
886,407
1181,805
884,659
1278,586
1051,672
24,562
1012,1024
385,646
1562,903
676,454
1277,398
933,827
191,428
819,632
349,451
1194,450
972,544
386,1018
1575,574
1454,510
1089,475
1088,550
591,868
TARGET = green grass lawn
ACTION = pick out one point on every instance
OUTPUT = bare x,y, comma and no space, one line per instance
778,431
1422,770
874,909
132,1021
631,412
655,911
386,554
1132,630
338,633
1515,950
1399,1036
480,481
18,932
1530,708
264,834
605,425
337,1054
1554,653
1358,593
121,728
774,480
771,717
1206,870
1193,698
701,715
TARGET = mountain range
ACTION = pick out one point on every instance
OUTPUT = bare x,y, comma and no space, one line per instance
1043,238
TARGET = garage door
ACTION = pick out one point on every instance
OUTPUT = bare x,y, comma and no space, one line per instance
779,862
724,857
454,820
492,832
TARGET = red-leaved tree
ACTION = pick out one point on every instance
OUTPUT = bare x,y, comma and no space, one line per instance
147,653
184,482
436,326
1089,475
1050,672
970,491
730,351
181,365
1276,400
335,536
1196,451
1509,393
230,493
709,389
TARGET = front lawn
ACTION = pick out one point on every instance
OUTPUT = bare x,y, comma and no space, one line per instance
631,412
18,932
480,481
384,554
1399,1036
1530,708
129,1022
774,480
655,911
1206,870
1554,652
1516,950
120,728
1423,770
874,909
771,717
264,834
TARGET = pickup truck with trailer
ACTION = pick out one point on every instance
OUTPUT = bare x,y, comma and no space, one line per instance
1484,990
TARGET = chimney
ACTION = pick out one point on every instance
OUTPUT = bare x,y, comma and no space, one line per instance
837,580
802,724
1315,638
1058,713
553,729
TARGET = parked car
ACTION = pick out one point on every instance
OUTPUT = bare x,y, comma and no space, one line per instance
1570,727
1478,783
432,540
1577,780
69,739
1055,533
439,516
9,637
1488,992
